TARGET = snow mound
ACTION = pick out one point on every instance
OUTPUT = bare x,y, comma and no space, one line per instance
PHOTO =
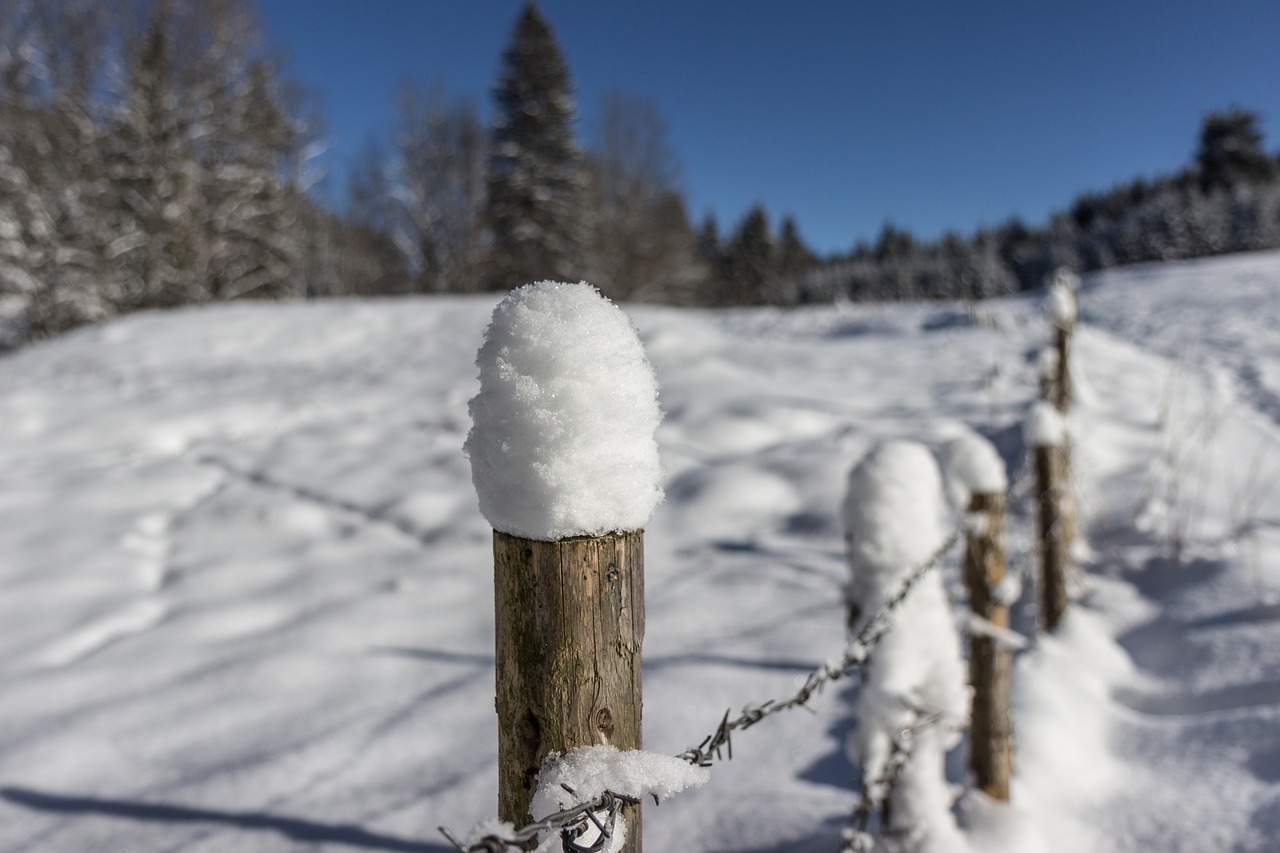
562,442
894,514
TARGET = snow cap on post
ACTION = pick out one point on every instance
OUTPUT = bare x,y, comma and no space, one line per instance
562,438
972,466
1061,304
894,516
1045,426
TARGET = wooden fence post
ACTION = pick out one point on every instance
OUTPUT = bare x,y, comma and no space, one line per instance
569,627
1046,433
1054,550
1063,389
990,659
566,469
1064,314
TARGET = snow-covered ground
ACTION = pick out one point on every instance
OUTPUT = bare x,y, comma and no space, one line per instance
246,594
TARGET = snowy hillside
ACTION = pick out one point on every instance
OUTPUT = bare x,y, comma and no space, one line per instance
246,592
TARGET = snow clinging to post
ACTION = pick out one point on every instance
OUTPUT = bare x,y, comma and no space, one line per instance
1045,426
1061,302
562,438
894,514
972,466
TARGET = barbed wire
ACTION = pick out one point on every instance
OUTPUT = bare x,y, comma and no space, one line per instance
574,822
871,795
719,743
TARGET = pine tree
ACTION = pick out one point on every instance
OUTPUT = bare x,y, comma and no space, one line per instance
1231,150
52,233
750,260
156,178
536,176
199,160
794,260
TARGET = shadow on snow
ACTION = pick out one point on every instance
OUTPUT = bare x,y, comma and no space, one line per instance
294,829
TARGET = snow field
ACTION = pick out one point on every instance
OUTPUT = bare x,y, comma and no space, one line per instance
247,597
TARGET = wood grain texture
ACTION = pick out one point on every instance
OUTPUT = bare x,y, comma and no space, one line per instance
569,629
990,662
1055,556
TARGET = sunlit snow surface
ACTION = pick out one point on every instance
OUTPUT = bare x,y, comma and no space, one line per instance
246,601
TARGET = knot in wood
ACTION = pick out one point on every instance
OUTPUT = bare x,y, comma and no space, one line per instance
604,724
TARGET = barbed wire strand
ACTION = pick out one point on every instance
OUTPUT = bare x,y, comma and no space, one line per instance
572,823
871,795
719,743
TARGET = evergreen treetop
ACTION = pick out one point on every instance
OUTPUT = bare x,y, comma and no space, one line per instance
536,176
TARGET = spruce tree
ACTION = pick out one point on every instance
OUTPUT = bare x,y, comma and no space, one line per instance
536,176
794,259
751,260
1231,150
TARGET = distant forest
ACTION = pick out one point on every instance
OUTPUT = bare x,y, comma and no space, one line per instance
153,154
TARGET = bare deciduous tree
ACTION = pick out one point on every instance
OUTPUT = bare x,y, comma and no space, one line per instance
644,246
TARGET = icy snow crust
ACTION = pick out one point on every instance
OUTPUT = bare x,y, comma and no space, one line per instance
562,442
244,582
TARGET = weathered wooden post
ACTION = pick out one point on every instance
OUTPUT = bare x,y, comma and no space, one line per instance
1063,312
566,468
1046,435
977,478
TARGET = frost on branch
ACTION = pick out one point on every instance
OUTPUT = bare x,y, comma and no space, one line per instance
589,771
894,515
562,441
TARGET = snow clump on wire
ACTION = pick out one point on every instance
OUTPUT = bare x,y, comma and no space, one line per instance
591,770
562,438
895,520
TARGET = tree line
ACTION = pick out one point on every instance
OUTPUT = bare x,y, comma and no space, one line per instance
1226,200
150,156
153,154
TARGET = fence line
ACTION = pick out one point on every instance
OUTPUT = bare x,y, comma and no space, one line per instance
573,823
1049,466
576,822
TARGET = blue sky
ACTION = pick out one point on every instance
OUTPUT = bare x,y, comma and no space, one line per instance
843,114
